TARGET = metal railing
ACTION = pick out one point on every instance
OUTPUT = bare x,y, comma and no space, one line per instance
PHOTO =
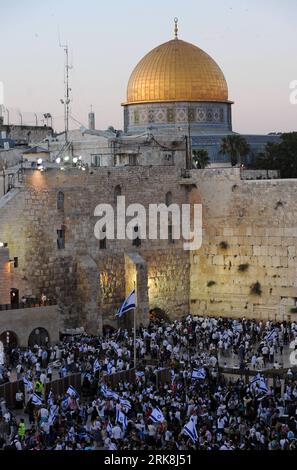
30,303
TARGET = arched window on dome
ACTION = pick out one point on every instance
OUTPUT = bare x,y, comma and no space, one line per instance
168,198
60,201
117,192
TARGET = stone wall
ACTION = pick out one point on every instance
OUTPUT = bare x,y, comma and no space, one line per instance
5,276
29,222
249,237
29,134
23,322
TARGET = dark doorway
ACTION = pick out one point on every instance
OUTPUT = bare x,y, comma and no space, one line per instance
9,339
14,298
38,336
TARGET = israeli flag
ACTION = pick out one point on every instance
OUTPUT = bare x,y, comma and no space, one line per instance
108,393
128,304
254,381
51,419
157,415
258,385
72,392
65,403
88,376
50,398
27,383
96,365
125,403
140,373
191,431
238,327
271,335
199,373
109,428
104,389
36,400
121,418
262,386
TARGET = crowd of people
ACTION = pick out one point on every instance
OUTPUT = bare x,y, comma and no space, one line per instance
194,406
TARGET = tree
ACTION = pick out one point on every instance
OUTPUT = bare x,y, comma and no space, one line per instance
236,147
201,159
267,160
281,157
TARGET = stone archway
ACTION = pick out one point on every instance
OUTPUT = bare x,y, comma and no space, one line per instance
39,336
9,339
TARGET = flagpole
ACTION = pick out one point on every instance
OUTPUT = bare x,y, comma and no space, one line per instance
135,338
134,318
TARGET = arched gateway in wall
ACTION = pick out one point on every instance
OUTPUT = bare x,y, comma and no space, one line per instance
39,336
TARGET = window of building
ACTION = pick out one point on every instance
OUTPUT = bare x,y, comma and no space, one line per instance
168,157
61,239
60,201
168,198
96,160
136,241
132,159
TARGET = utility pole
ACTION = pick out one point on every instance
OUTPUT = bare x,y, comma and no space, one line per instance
189,141
66,100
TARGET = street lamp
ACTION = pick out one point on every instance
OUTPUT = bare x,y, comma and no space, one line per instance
48,116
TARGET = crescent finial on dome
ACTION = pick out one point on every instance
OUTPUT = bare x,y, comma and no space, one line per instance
175,27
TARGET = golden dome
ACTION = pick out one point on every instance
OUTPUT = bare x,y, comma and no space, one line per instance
176,71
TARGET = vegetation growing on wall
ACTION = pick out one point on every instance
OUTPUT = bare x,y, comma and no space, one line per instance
255,288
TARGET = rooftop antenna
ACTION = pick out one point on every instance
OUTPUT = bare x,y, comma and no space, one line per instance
175,27
66,100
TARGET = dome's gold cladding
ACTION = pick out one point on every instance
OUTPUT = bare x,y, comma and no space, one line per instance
177,71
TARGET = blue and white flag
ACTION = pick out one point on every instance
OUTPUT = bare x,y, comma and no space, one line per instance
109,428
140,373
104,389
88,376
65,403
96,365
258,384
50,398
72,392
262,386
121,418
199,373
191,431
271,335
36,400
27,383
51,419
108,393
157,415
128,304
254,380
125,403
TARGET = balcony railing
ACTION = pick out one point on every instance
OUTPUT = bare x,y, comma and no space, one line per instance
30,303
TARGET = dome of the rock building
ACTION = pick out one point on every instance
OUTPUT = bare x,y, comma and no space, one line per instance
177,71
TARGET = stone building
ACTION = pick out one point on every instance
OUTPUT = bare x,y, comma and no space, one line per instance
247,263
